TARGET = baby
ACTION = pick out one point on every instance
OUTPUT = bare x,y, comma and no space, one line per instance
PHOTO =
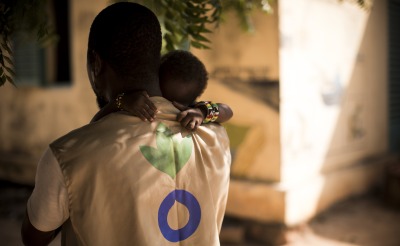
183,78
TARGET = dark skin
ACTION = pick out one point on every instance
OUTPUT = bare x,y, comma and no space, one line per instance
138,103
34,237
192,118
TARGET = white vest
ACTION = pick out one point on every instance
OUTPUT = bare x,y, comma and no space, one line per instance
131,182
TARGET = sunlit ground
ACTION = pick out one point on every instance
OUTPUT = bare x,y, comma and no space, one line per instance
361,221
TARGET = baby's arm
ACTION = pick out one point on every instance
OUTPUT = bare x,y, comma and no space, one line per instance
136,102
225,113
191,118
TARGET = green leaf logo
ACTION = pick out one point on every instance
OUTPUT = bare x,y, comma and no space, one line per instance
171,155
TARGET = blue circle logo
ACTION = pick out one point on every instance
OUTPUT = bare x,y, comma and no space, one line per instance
193,206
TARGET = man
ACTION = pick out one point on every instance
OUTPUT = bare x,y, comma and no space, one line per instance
122,181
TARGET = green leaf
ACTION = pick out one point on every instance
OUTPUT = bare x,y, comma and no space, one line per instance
169,47
11,81
171,155
158,160
205,30
202,38
182,151
170,15
168,38
199,20
169,26
6,47
196,44
1,58
8,60
169,42
199,45
10,71
164,143
198,1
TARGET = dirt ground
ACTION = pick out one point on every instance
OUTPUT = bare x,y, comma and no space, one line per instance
360,221
364,221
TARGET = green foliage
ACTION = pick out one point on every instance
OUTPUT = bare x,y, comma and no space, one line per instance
244,8
186,23
25,16
6,64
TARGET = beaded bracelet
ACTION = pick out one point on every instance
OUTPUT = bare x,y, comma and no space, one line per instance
212,111
215,112
118,101
209,112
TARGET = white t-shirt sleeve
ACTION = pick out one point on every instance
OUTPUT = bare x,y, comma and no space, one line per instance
48,205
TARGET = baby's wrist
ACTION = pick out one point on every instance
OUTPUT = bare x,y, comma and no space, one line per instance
209,110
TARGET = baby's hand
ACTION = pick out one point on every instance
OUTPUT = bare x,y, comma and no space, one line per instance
139,104
190,118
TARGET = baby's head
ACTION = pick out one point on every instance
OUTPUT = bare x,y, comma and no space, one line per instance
183,77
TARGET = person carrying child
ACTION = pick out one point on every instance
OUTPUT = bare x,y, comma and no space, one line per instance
120,180
183,79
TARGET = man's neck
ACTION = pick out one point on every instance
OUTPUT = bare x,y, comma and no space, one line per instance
151,86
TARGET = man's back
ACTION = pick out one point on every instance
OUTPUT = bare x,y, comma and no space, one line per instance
137,183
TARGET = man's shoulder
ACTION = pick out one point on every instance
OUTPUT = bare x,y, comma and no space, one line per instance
73,135
95,130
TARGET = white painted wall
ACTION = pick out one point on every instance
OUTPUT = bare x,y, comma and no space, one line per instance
333,70
333,67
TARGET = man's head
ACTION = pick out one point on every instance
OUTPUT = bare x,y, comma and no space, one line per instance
183,77
124,50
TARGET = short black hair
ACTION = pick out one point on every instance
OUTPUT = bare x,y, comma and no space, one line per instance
128,36
185,68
